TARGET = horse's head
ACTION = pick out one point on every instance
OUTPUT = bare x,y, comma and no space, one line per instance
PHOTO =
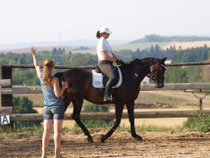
157,71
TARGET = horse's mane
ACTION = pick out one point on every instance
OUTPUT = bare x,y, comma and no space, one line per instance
144,61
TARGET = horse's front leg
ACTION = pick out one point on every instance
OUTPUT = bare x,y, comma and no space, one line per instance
130,107
118,114
76,116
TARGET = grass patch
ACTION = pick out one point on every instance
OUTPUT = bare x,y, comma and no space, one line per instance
26,132
23,132
200,122
28,129
65,129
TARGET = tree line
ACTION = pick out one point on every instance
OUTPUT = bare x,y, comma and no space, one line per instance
158,38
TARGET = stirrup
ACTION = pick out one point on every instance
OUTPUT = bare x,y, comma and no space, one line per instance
108,97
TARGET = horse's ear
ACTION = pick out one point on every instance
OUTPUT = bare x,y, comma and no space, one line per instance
163,60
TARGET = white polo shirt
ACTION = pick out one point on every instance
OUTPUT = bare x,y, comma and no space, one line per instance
103,45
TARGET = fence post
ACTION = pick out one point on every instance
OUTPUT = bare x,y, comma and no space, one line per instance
6,99
200,99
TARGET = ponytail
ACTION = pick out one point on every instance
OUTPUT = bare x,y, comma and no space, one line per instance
47,70
98,35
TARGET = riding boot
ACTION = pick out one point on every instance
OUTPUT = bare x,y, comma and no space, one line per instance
57,153
44,153
108,92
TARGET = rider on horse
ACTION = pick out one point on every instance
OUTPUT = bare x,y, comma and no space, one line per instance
105,61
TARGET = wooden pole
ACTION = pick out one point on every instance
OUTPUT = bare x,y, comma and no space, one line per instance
5,83
107,115
6,99
144,87
56,66
93,66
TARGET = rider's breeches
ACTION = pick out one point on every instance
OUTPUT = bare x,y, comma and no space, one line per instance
110,71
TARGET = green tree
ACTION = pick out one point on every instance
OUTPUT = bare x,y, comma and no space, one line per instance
176,75
81,59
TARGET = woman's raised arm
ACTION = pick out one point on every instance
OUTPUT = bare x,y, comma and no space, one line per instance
37,67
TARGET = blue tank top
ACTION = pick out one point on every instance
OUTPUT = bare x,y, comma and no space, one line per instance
49,95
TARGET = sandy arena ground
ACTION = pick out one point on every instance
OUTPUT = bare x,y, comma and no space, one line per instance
120,145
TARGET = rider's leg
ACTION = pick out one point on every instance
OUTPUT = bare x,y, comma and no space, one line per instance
108,89
109,70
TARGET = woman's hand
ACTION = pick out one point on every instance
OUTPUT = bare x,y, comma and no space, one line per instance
120,62
57,90
65,84
37,67
33,50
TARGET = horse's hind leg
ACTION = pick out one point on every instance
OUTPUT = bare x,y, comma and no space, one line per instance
118,114
76,116
130,107
66,100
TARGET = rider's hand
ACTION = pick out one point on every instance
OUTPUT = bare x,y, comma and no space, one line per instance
33,50
120,62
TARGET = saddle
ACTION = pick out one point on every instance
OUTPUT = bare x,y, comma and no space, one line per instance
99,80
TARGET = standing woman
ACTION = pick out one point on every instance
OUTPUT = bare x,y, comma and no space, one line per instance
105,61
53,110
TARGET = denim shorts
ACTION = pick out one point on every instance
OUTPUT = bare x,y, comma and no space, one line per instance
53,112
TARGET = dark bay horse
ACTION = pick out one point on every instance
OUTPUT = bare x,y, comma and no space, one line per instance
80,88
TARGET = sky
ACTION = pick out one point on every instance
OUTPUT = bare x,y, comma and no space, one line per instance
66,20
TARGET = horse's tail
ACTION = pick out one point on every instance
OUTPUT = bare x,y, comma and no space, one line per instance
60,77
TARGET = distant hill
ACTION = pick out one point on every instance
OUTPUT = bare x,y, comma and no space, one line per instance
157,38
77,43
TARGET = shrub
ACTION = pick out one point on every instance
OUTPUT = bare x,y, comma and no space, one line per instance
200,122
97,123
23,105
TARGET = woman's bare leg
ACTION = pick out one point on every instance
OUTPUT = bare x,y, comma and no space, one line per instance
46,136
57,136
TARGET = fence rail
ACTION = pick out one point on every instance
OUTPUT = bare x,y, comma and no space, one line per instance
93,66
108,115
56,66
144,87
5,82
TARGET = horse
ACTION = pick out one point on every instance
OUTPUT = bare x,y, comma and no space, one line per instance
80,88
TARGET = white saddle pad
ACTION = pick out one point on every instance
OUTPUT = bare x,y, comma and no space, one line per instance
97,79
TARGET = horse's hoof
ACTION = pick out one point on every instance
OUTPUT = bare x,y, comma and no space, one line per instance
90,140
103,138
138,137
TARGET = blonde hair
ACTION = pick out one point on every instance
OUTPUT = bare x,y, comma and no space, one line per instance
47,70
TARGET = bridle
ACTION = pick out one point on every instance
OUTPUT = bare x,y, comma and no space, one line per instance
156,70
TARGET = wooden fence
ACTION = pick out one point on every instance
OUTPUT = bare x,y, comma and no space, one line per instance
144,87
110,115
7,91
